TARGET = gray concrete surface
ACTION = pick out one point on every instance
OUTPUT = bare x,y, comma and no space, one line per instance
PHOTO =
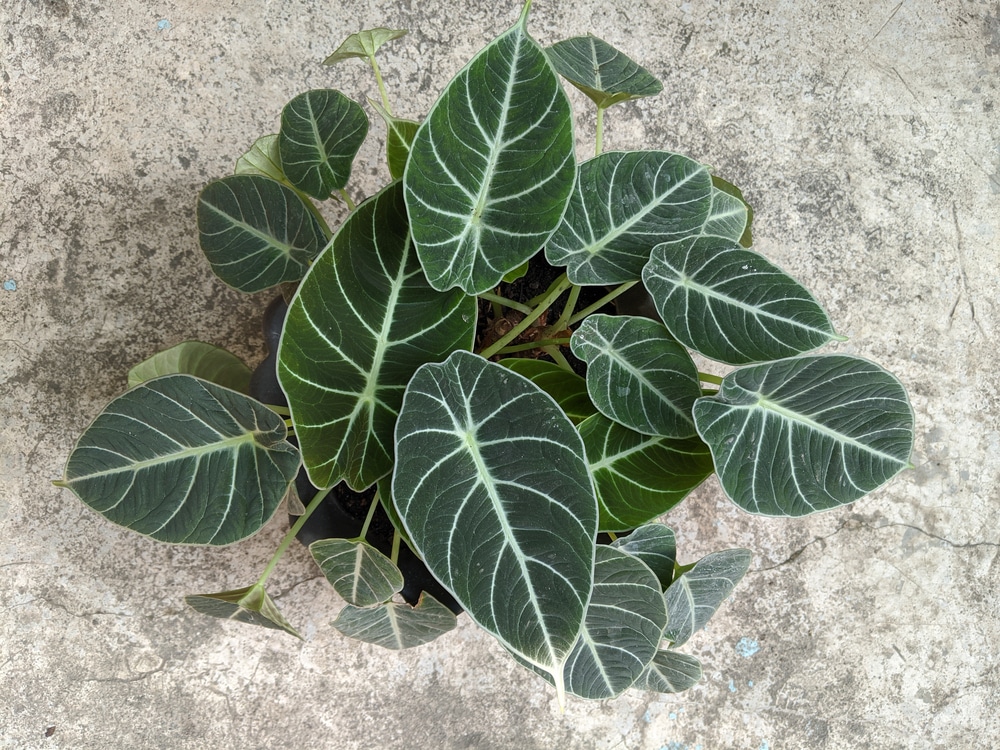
866,134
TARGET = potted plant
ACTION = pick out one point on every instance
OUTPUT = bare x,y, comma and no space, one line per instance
483,379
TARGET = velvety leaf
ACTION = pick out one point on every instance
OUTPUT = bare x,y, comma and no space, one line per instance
196,358
640,477
731,304
567,388
491,484
321,132
637,374
806,434
399,137
603,73
363,44
694,597
397,626
492,166
625,203
256,232
670,672
655,545
361,574
263,159
363,320
184,461
728,212
251,605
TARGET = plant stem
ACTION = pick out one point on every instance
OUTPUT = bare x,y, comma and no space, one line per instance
347,199
503,301
381,85
599,140
534,301
282,410
557,356
564,316
616,292
396,539
557,287
286,540
707,377
371,514
319,217
541,344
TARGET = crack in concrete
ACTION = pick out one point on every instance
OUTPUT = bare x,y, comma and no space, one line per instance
134,678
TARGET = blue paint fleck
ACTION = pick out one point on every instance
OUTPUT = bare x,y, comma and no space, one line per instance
647,717
764,746
672,715
747,647
10,285
732,686
675,745
163,24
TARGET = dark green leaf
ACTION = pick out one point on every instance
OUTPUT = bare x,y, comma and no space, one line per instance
567,388
670,672
397,626
732,216
361,574
251,605
194,358
602,72
399,137
656,546
694,597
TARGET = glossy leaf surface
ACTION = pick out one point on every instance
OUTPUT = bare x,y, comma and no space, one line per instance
640,477
567,388
197,358
250,605
695,596
397,626
655,545
731,304
603,73
256,232
321,132
492,166
728,218
491,484
670,672
363,44
637,374
624,203
806,434
361,574
363,320
184,461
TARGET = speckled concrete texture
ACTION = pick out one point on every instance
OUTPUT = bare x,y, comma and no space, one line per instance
865,133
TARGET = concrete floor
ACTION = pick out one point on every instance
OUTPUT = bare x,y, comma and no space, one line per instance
865,133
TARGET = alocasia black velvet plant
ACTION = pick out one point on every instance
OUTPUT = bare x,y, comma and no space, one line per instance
523,445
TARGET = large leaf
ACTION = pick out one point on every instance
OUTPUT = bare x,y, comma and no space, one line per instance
251,605
637,374
731,304
670,672
806,434
361,574
492,166
624,203
196,358
728,218
602,72
567,388
656,546
695,596
640,477
321,132
363,44
256,232
396,626
363,320
491,484
184,461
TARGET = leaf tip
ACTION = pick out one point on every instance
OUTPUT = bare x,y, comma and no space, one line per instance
523,20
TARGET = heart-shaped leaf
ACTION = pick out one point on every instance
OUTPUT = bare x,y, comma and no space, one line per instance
656,546
363,44
196,358
251,605
567,388
806,434
729,218
624,203
491,484
670,672
492,166
695,596
399,138
256,232
603,73
361,574
363,320
263,159
731,304
397,626
321,132
184,461
640,477
637,374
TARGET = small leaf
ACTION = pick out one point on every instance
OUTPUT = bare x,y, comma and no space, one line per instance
361,574
624,203
806,434
196,358
263,159
731,304
256,232
251,605
603,73
567,388
728,213
399,138
695,596
655,545
363,44
511,276
640,477
396,626
492,166
670,672
321,132
184,461
637,374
